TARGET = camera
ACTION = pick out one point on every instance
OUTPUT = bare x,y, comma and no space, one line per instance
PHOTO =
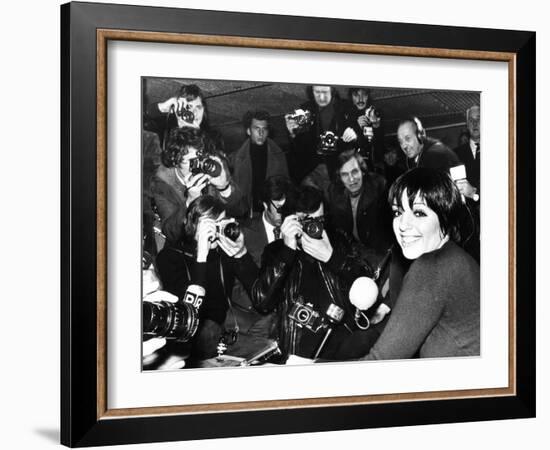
373,121
184,113
229,228
205,164
327,143
313,226
305,316
302,118
175,321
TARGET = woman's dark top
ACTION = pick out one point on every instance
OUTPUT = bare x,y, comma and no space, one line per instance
437,309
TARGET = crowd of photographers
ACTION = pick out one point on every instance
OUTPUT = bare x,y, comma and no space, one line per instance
292,252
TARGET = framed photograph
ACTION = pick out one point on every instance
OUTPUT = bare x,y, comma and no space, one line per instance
184,132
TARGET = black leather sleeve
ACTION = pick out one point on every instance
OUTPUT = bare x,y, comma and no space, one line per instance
268,290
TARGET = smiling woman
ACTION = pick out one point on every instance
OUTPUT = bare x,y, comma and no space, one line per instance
436,312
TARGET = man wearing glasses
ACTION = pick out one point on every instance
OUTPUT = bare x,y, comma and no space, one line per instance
306,277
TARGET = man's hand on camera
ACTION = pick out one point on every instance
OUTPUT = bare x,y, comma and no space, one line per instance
195,183
233,249
181,106
320,249
169,105
152,345
349,135
290,229
223,181
206,233
291,125
363,121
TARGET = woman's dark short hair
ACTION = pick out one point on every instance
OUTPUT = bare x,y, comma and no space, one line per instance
203,206
438,191
177,145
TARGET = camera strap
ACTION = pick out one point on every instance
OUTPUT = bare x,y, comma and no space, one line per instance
231,311
331,290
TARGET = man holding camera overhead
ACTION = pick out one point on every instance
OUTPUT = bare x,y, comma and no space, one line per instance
317,132
188,171
306,277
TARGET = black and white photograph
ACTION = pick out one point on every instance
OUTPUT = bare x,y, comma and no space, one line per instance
293,224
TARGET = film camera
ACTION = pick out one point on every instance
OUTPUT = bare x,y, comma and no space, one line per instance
327,144
184,113
174,321
312,226
373,121
305,316
302,118
229,228
205,164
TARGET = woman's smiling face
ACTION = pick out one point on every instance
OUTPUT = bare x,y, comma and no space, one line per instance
417,229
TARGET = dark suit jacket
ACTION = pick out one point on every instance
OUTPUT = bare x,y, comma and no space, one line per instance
464,153
436,155
255,239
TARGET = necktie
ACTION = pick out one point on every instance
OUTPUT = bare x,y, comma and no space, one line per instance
477,150
277,232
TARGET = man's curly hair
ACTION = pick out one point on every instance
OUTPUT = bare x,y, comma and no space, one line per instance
177,145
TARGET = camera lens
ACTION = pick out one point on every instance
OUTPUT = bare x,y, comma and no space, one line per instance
232,230
211,167
313,228
187,116
177,321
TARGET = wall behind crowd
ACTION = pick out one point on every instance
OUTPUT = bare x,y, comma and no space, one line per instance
442,112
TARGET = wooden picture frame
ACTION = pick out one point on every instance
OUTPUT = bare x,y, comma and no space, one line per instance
86,418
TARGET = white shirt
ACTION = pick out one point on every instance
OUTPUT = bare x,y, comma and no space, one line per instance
473,147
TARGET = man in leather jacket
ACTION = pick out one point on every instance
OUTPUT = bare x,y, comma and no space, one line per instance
304,277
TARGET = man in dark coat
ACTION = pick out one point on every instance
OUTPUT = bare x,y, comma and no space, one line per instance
357,205
421,150
257,159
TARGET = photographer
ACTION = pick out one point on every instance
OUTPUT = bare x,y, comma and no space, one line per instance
187,172
187,109
308,156
306,277
366,122
211,254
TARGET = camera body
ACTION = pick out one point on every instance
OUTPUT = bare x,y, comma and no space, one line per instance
373,121
205,164
313,226
186,115
174,321
327,144
302,118
229,228
305,316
